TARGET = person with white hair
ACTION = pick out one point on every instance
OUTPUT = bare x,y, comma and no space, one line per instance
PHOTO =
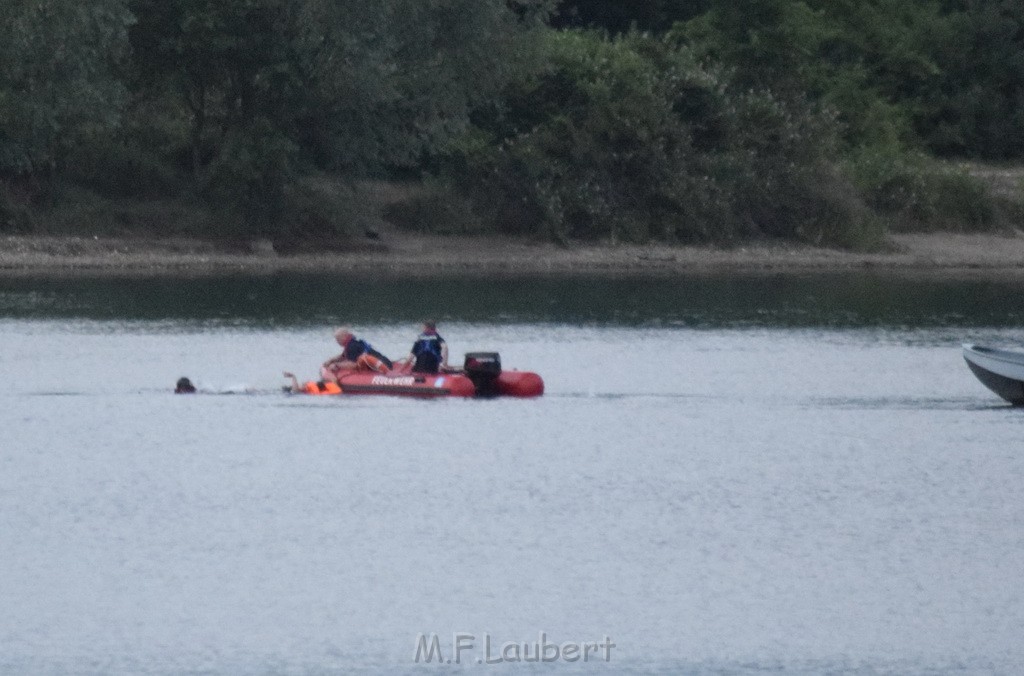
356,355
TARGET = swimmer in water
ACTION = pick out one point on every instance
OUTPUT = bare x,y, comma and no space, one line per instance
184,386
295,387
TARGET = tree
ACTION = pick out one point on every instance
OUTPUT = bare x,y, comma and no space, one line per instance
272,87
977,107
60,67
870,60
770,43
632,138
618,17
356,84
399,79
228,62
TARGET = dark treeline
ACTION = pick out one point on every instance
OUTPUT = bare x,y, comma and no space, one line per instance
682,120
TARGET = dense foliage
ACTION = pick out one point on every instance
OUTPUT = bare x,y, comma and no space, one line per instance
59,77
617,17
680,120
633,139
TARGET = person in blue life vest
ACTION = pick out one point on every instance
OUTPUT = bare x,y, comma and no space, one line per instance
429,353
357,355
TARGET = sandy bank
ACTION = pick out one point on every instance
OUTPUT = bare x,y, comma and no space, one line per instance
943,254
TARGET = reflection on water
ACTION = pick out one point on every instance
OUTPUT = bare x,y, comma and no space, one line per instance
844,300
719,484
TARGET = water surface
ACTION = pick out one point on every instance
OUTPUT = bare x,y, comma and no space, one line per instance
786,475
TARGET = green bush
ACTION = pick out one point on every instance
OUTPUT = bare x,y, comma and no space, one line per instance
116,168
248,181
597,147
15,215
437,209
320,213
631,140
786,184
916,193
961,202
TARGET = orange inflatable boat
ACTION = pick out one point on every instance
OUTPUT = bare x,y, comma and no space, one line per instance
481,376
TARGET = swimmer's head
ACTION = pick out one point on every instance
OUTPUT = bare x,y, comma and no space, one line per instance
184,386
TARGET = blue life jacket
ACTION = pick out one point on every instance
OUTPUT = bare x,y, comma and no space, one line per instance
428,343
427,350
356,348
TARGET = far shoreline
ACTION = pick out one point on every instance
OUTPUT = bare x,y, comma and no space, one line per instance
942,255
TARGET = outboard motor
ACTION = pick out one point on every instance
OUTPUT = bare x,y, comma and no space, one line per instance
483,368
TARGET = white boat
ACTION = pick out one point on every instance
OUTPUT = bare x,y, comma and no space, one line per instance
1001,371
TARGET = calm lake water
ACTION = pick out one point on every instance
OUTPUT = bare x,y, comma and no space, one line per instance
773,474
